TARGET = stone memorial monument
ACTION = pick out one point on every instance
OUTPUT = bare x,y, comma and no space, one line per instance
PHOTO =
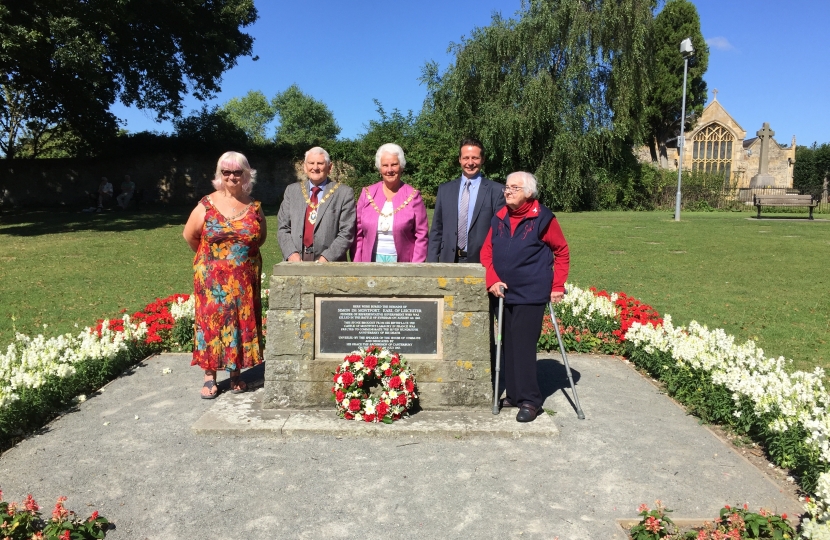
763,178
435,315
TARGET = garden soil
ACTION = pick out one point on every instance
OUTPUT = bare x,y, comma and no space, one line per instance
131,452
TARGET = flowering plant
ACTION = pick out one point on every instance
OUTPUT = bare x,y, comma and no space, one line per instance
23,521
654,525
364,369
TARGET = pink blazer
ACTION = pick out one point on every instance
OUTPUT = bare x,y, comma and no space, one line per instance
409,230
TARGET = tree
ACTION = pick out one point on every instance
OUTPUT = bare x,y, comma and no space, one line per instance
251,113
558,91
209,128
303,119
812,166
677,21
73,60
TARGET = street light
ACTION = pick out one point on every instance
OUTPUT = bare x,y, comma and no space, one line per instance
687,51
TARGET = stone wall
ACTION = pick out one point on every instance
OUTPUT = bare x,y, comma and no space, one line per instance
460,377
165,179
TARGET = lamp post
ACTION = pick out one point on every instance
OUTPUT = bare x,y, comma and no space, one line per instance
687,51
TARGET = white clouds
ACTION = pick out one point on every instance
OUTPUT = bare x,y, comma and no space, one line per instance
720,43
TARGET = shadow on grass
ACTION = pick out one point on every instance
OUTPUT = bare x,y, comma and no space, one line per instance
40,222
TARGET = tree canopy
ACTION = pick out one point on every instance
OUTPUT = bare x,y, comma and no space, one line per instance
558,91
303,119
677,21
73,60
252,113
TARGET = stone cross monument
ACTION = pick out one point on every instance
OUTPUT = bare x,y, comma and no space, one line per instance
763,178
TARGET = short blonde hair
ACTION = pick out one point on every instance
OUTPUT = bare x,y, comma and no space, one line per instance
234,159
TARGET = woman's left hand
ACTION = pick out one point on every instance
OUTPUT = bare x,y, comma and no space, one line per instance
556,296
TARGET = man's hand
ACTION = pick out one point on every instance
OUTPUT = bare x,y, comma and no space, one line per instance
295,257
556,297
495,290
322,259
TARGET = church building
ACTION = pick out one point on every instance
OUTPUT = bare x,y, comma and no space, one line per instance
718,144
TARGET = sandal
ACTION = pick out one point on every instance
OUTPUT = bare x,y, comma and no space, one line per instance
210,385
238,386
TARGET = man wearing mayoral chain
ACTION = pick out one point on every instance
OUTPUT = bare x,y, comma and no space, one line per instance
316,220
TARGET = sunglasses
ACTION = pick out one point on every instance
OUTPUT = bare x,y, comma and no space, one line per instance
238,172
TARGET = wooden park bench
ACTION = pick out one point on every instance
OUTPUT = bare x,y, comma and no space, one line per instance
784,200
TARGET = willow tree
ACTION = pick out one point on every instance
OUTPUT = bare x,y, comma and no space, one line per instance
557,91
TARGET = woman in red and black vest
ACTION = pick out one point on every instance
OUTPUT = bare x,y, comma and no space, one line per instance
526,253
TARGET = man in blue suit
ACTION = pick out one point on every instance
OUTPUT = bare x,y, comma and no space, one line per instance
472,198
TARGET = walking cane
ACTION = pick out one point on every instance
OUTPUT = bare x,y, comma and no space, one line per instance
579,413
498,355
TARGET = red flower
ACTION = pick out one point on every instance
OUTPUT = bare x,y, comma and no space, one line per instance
410,386
387,373
402,399
395,361
395,382
382,409
368,417
30,504
784,515
64,536
370,362
347,378
353,358
94,516
348,416
339,395
354,405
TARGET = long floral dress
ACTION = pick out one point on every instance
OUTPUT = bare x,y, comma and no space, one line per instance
227,266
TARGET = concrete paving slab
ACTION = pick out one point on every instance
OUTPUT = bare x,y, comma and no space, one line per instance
242,414
131,453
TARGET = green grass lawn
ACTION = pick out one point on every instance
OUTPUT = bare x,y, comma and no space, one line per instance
764,280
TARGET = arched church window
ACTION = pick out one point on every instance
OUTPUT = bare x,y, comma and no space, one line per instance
712,150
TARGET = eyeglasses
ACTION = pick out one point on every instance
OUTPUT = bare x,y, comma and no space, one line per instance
512,189
238,172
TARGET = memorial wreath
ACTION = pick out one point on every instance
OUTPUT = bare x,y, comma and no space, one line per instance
363,369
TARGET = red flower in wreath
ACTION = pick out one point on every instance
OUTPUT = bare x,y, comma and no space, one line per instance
354,405
371,362
395,382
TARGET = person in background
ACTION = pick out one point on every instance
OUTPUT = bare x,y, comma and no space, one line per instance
525,255
391,216
463,209
316,219
227,230
127,191
104,193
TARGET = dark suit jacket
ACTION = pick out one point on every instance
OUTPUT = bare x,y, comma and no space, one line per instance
443,235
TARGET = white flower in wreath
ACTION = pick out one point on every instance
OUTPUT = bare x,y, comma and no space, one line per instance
385,366
370,406
358,417
345,403
402,375
392,394
358,365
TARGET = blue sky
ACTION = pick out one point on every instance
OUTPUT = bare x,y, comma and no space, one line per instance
770,61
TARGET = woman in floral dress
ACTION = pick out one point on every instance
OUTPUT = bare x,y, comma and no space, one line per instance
226,230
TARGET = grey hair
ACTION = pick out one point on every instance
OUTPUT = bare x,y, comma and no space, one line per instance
529,185
235,159
319,150
390,148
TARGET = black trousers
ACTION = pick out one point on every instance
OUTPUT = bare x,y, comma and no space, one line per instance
520,330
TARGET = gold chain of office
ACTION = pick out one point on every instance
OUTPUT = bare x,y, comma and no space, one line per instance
312,216
396,210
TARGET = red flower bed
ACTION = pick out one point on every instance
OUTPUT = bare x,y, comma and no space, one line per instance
155,314
631,311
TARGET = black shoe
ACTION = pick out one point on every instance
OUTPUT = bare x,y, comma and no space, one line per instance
527,413
506,403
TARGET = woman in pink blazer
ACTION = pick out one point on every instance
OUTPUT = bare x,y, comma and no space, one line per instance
391,216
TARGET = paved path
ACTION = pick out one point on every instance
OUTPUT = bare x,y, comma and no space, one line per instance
131,452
